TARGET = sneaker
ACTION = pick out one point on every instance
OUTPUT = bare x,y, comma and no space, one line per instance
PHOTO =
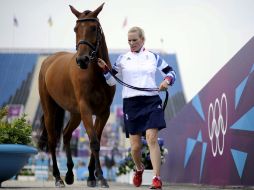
137,178
157,184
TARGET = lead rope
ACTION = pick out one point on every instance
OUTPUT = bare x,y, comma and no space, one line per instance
139,88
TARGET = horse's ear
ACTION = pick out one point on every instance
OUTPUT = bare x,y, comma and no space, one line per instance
98,10
74,11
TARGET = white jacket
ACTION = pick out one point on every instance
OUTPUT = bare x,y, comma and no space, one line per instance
138,69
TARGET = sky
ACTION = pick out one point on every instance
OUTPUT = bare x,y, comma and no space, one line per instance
204,34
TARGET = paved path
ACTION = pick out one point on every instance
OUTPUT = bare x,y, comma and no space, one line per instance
32,185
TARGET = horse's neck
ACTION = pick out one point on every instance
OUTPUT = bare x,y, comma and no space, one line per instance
104,52
95,69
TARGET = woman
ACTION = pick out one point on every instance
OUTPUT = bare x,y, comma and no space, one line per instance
143,114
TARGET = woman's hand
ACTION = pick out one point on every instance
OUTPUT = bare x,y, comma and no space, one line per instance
163,86
102,63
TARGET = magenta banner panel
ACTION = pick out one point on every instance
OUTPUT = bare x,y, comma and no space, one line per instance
211,140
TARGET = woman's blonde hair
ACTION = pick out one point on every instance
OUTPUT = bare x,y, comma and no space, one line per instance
139,30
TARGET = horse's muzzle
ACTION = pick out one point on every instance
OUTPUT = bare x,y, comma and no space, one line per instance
83,61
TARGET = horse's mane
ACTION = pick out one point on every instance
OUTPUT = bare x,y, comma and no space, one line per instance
86,12
104,47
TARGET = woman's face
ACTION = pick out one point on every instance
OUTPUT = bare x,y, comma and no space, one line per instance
135,41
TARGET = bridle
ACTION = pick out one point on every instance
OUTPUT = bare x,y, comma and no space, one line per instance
93,53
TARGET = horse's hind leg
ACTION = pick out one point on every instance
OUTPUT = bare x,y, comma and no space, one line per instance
67,134
95,168
53,119
50,121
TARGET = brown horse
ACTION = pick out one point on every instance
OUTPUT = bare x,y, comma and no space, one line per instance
75,83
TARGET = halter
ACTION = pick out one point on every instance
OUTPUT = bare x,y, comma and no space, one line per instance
98,37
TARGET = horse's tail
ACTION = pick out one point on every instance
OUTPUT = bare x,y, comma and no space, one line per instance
59,121
43,138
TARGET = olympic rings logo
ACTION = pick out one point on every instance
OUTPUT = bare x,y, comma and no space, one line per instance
217,124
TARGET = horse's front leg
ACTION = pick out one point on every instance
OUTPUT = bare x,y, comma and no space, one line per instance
91,181
93,170
71,126
95,148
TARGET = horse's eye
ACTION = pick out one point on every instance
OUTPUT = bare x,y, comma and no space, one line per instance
93,28
75,29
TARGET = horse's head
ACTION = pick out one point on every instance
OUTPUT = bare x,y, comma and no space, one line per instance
88,35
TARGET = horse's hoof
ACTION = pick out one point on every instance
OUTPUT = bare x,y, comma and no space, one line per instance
69,178
103,183
91,183
59,183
